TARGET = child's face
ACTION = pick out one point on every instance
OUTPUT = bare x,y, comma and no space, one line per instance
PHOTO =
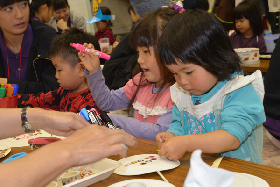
68,77
101,26
62,13
243,25
150,66
193,78
14,18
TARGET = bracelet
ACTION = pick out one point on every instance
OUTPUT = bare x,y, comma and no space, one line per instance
25,125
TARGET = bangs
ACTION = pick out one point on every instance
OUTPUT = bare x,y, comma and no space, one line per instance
4,3
58,4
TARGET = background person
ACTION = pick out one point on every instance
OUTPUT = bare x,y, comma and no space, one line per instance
42,10
64,18
24,45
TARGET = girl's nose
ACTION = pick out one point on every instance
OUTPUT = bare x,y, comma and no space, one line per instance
140,60
18,13
184,81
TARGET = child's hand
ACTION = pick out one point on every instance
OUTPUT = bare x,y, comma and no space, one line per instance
89,60
174,148
163,137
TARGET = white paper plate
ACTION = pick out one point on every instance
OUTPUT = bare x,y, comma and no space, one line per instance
247,180
148,182
4,150
145,163
22,140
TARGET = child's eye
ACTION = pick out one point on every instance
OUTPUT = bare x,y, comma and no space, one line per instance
146,51
8,9
24,5
188,73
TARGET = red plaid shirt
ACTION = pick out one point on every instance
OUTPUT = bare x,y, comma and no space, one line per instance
106,34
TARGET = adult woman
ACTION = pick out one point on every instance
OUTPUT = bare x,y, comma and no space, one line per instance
24,45
88,144
64,18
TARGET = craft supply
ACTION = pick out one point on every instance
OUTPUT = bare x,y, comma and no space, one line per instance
15,89
162,177
15,156
217,162
2,92
108,122
84,113
9,90
87,50
40,141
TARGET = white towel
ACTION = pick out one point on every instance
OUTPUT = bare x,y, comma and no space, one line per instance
202,175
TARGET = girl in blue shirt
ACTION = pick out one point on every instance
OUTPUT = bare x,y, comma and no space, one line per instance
217,109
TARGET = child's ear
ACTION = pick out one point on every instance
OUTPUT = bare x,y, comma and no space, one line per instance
82,69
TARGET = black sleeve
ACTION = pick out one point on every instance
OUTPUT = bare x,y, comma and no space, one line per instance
271,85
118,70
45,75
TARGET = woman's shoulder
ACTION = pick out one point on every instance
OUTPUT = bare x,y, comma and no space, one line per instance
74,16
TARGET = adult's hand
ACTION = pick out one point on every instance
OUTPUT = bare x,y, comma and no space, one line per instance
94,142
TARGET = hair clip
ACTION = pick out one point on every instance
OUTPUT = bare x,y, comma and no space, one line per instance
178,6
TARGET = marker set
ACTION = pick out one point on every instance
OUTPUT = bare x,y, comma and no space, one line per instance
93,117
8,90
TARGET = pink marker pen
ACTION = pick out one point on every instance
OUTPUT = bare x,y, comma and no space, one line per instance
85,49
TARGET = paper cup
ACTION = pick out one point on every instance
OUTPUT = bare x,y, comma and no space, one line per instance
136,184
67,178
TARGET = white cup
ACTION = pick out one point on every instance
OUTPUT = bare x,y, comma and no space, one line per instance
135,184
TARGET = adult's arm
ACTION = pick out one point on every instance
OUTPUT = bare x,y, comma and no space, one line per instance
84,146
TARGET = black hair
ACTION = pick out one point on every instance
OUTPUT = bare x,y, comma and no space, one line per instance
197,37
146,34
106,11
250,11
202,4
60,46
4,3
36,4
58,4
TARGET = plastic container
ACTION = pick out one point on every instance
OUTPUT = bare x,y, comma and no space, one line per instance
104,44
248,55
104,168
9,102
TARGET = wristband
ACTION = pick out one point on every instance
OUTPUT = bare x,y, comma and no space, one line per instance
25,125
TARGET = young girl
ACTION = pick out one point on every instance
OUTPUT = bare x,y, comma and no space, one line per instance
248,27
148,92
64,18
217,109
42,10
104,26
